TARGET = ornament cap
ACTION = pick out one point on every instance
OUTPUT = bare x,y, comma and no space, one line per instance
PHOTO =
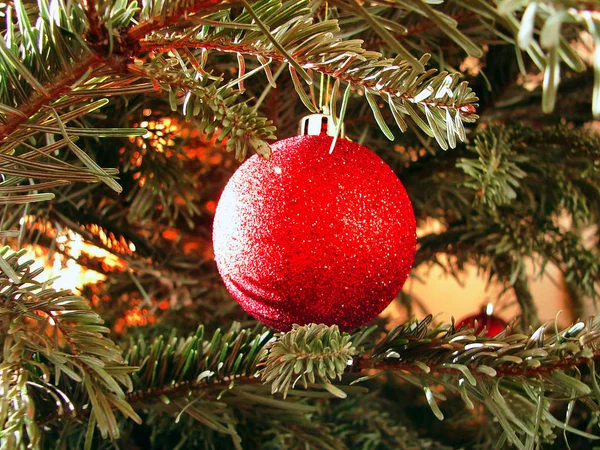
317,124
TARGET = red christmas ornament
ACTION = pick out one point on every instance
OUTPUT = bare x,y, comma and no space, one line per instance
485,319
311,236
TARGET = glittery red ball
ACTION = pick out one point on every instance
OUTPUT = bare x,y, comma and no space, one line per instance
493,325
313,237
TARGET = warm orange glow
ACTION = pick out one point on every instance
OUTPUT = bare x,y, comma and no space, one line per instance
78,264
119,245
71,250
192,247
171,234
163,305
161,132
70,275
135,317
211,206
158,138
471,65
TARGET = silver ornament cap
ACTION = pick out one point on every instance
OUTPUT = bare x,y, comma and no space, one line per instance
318,124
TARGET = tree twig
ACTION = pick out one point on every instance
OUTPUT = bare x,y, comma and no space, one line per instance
528,308
465,109
366,364
60,86
184,8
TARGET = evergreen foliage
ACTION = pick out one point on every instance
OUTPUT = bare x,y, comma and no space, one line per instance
145,98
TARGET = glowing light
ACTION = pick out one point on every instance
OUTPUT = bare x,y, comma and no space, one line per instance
68,269
62,265
170,234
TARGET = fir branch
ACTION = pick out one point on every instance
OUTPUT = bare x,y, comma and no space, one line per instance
181,364
36,102
496,173
183,375
320,354
544,30
156,15
502,206
319,351
94,362
34,95
490,371
442,104
417,348
217,106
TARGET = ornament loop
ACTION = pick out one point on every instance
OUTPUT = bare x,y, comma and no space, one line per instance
317,124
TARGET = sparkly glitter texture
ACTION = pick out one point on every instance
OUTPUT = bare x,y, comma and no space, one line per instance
310,236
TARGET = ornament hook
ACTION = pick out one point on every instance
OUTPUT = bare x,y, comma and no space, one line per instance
317,124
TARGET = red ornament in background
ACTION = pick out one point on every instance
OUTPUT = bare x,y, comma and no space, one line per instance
311,236
485,319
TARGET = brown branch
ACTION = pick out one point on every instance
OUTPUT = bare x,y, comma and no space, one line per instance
126,47
419,29
184,9
138,399
366,364
508,370
95,31
38,100
529,312
148,46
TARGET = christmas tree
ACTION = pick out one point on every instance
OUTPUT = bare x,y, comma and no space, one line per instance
121,122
